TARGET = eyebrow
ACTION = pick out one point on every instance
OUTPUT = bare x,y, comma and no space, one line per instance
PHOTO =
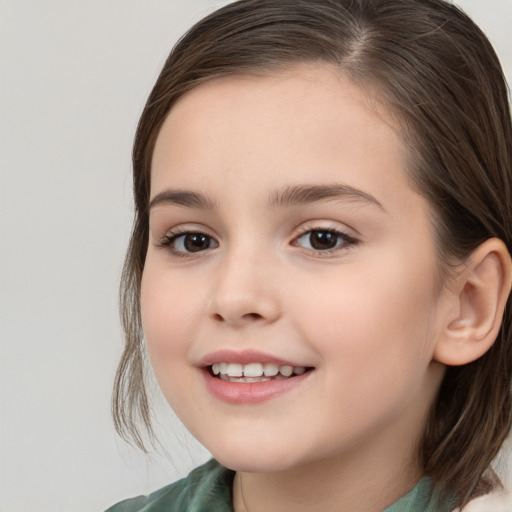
185,198
303,194
291,195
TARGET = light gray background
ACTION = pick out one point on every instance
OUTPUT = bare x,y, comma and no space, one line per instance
74,76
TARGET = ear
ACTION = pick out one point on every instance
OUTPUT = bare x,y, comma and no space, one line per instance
480,294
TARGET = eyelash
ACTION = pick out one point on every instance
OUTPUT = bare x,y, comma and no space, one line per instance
344,239
168,242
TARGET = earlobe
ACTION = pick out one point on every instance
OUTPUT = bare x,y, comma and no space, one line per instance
481,292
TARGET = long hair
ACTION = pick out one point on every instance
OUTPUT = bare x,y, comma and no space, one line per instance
439,76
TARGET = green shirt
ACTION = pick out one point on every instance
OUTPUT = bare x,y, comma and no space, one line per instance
208,489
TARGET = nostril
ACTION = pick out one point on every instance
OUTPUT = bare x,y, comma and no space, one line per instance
248,316
241,309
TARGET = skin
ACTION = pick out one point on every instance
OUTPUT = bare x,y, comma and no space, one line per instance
366,316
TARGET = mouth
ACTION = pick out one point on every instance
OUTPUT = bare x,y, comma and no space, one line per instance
255,372
249,376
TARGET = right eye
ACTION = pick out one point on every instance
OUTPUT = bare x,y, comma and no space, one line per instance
182,244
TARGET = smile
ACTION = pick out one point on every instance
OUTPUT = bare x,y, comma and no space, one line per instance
250,376
254,372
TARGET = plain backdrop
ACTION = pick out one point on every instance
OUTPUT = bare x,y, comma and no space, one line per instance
74,76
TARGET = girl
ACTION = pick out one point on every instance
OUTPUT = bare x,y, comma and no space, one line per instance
319,263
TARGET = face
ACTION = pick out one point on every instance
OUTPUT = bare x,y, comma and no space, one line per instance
285,238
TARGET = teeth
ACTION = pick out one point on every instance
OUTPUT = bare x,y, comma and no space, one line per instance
286,370
235,370
255,372
270,369
243,379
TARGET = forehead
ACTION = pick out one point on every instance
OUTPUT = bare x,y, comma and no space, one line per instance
301,124
309,93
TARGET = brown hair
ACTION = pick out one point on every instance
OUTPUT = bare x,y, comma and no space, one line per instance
439,76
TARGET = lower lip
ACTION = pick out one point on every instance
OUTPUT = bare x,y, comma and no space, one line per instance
250,392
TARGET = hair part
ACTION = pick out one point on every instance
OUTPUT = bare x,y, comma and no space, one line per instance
439,76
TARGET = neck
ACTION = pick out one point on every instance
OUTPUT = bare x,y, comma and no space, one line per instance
369,483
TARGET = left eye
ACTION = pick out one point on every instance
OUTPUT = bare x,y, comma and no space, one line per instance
322,239
191,242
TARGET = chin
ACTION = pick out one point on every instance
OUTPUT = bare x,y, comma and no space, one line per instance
254,457
247,463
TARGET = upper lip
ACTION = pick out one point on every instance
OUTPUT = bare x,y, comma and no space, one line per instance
243,357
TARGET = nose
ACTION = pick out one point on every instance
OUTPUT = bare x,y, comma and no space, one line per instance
244,293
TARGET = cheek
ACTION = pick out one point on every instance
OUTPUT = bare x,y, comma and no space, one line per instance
369,322
167,321
166,315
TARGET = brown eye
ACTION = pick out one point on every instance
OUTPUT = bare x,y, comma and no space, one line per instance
186,243
324,240
195,242
321,240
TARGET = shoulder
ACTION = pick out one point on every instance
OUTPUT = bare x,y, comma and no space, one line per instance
424,497
206,488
